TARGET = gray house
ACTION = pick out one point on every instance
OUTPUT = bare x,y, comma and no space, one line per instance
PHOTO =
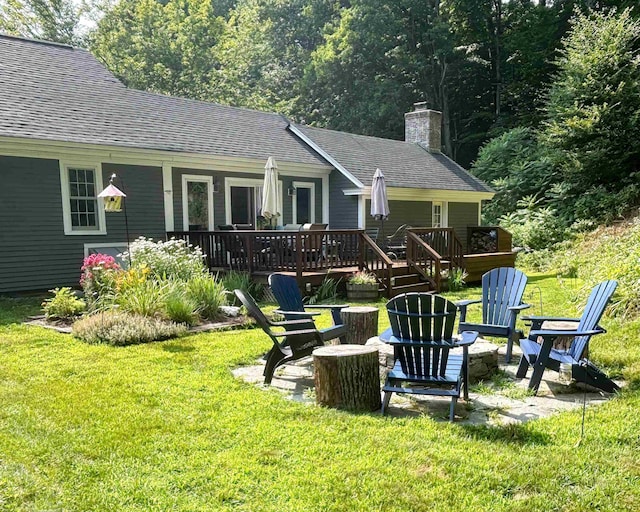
67,124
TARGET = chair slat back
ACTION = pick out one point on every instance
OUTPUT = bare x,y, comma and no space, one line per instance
425,319
253,310
285,290
591,316
501,288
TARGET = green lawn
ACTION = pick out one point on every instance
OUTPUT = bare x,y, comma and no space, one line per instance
165,426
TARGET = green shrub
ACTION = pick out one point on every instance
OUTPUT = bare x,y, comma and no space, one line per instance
242,281
457,279
171,259
326,292
208,293
142,297
178,306
64,305
116,328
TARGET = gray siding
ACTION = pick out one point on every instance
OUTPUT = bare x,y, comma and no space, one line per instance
343,210
35,253
219,214
461,216
414,213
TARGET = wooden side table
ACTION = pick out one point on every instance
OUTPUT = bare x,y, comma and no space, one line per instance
346,377
361,322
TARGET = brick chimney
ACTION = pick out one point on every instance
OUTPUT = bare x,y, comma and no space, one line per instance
423,126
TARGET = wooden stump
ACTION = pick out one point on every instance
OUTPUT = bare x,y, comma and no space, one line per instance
346,377
361,322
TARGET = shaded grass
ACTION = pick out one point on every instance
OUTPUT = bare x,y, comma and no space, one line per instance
165,426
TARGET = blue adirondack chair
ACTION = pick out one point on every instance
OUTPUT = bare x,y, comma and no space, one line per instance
291,306
299,337
421,334
543,356
502,290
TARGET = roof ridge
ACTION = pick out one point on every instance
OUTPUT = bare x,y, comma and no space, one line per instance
386,139
38,41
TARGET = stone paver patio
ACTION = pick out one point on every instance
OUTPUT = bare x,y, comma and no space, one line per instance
508,403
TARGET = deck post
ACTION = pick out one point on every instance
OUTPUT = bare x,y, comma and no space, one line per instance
299,255
361,250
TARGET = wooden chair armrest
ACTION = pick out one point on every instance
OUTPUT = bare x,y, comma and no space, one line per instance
301,314
466,338
293,333
553,334
464,303
285,323
325,306
520,307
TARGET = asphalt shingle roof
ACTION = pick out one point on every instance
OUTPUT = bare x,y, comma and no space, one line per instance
56,92
404,164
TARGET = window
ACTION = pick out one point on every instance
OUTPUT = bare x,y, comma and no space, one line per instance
82,209
197,203
438,215
243,201
304,203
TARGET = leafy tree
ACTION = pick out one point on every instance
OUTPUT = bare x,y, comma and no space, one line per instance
165,46
593,113
51,20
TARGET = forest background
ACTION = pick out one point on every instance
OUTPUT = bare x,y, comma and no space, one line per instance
541,99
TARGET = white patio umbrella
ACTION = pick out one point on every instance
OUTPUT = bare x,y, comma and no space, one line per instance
270,190
379,202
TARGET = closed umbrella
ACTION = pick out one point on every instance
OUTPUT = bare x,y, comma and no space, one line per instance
270,190
379,202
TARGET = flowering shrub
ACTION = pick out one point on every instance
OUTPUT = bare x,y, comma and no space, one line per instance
171,259
362,277
64,305
98,274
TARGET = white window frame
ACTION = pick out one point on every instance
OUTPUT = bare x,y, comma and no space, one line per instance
246,182
444,217
185,199
65,191
312,200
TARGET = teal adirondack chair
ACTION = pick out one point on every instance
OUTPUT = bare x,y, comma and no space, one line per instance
543,356
502,290
297,339
421,334
291,306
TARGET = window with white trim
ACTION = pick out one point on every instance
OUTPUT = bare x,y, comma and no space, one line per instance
437,215
304,204
82,209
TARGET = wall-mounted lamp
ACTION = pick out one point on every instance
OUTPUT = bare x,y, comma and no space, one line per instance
216,186
291,191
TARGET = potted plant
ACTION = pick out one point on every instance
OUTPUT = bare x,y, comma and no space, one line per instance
362,286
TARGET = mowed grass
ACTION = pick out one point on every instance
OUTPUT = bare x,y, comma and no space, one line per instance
165,426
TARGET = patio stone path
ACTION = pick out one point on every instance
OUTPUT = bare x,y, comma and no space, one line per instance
508,403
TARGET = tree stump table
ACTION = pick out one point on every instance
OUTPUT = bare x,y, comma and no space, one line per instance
361,322
346,377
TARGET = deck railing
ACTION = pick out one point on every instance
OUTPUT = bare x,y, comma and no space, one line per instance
424,259
445,242
375,261
280,251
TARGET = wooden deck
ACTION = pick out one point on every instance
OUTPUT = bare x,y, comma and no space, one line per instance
311,256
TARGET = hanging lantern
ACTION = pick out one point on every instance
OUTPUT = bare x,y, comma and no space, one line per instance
112,196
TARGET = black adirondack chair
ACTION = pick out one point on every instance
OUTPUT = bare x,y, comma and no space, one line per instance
286,291
502,290
295,342
421,334
543,356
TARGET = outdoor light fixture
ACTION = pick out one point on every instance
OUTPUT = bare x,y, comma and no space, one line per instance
216,186
113,203
291,191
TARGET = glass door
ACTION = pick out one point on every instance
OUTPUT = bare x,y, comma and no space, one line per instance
197,195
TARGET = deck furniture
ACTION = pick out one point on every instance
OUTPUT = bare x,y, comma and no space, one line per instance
291,305
542,355
421,334
396,243
502,291
298,339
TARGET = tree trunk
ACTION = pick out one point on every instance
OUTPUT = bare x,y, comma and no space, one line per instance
347,377
361,322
